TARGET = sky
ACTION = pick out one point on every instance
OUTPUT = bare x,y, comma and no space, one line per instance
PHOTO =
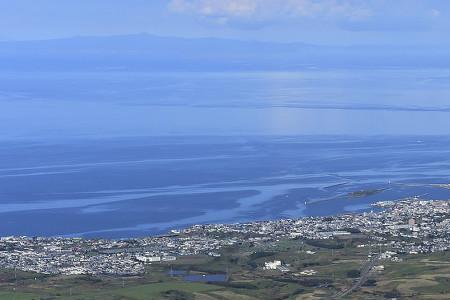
340,22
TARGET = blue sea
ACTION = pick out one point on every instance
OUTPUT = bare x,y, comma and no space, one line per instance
136,154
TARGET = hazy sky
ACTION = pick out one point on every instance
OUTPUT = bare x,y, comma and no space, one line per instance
313,21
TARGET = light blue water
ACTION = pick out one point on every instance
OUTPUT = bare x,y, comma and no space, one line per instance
355,102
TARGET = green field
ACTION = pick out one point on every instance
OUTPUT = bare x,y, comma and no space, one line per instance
336,263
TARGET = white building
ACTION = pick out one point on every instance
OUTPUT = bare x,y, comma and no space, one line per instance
148,259
272,265
169,258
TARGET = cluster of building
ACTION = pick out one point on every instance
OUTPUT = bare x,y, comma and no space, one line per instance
408,226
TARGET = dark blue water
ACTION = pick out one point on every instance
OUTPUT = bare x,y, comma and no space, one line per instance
206,278
119,187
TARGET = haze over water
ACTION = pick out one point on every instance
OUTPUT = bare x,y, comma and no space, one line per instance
349,102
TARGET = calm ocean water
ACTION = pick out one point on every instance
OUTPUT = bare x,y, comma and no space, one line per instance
120,155
139,186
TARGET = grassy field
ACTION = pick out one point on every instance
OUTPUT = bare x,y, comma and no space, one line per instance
416,277
17,296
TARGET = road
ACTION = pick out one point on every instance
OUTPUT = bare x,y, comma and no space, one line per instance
365,270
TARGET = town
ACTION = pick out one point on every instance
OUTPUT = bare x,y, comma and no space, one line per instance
409,226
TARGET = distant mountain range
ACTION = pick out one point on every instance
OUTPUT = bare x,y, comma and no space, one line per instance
145,52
